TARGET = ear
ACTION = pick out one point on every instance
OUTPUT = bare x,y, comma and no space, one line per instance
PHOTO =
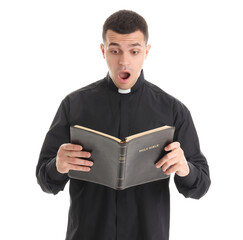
147,50
102,47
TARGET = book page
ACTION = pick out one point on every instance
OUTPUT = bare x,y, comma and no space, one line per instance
146,132
97,132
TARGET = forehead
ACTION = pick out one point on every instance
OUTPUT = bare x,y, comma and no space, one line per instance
130,38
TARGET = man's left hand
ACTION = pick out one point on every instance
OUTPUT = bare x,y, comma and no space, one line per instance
174,161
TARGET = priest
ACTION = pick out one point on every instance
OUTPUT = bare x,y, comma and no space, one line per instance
121,104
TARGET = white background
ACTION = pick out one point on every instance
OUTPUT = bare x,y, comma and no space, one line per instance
50,48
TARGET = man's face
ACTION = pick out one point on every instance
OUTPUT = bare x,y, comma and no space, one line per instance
124,54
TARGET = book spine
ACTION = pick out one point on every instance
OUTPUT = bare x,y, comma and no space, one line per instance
122,165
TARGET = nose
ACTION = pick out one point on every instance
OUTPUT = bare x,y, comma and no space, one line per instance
124,59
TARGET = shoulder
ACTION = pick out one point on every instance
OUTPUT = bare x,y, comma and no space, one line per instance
165,98
89,90
93,87
157,91
83,94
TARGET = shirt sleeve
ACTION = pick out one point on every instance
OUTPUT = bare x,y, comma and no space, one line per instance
197,182
50,180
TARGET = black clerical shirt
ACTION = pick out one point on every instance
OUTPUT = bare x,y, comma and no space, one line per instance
137,213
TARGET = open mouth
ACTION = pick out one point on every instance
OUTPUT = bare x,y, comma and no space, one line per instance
124,75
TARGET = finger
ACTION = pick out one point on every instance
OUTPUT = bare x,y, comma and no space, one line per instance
79,168
170,155
172,146
71,147
172,169
78,154
166,158
169,164
160,163
78,161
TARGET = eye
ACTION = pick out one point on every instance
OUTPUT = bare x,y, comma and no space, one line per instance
135,52
115,51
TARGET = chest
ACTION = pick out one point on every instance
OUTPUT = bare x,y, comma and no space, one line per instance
130,113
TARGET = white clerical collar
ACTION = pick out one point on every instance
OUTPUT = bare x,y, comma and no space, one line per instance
124,91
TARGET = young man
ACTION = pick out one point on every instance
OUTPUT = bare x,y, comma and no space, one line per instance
122,104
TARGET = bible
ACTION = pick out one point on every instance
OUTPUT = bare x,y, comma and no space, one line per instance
120,164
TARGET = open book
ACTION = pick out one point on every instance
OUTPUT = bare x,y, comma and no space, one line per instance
121,164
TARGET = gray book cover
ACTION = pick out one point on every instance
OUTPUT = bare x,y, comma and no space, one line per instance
121,164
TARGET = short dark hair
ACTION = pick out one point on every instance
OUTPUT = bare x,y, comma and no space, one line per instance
124,22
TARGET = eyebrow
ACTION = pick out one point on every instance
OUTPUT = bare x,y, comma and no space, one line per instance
114,44
130,45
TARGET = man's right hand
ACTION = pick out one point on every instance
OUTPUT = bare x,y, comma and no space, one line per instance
69,157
